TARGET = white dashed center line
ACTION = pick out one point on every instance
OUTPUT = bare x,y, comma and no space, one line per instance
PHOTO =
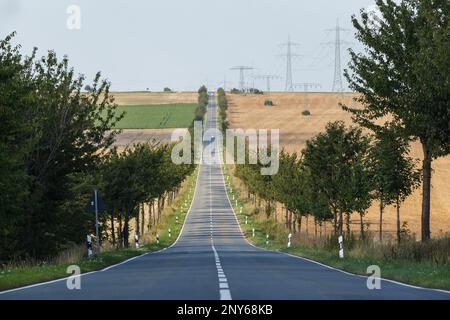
224,289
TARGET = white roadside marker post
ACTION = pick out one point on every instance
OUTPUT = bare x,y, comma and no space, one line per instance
246,219
341,246
267,239
89,245
136,240
176,218
289,240
253,232
157,238
170,233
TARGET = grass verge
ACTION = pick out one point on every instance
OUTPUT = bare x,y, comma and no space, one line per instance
424,273
18,276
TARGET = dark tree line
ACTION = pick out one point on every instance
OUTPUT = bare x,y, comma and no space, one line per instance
143,174
222,102
55,148
339,174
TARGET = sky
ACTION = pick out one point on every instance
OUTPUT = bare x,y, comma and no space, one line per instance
181,44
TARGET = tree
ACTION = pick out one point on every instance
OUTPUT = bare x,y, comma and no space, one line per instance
404,76
332,158
53,142
394,173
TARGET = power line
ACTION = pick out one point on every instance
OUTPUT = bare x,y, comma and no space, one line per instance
289,55
267,77
242,70
306,86
338,43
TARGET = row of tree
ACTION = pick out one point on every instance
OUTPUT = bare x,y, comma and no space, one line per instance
55,149
222,103
403,80
143,174
339,173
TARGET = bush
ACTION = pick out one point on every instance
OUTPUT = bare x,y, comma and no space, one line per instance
268,103
306,113
166,89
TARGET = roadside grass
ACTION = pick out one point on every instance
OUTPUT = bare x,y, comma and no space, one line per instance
429,274
157,116
18,275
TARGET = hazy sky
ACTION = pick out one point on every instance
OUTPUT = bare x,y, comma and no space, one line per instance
140,44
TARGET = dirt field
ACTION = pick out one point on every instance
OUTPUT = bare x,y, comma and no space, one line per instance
139,98
249,112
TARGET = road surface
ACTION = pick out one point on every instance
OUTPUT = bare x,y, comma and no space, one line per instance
212,260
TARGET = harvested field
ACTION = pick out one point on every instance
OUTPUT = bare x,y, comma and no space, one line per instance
128,137
140,98
248,111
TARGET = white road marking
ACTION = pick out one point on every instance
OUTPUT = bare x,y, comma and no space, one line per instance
224,290
117,264
313,261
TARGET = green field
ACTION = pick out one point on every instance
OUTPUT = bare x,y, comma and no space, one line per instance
157,116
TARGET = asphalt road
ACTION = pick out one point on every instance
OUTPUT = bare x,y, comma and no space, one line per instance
212,260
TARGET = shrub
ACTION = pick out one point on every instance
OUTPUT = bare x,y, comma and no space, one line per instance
306,113
268,103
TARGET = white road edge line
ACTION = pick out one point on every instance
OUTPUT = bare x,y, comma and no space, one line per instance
316,262
118,264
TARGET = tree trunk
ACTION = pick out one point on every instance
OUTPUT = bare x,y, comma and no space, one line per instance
142,219
398,220
361,222
426,193
126,229
137,222
315,228
347,222
341,222
381,220
290,220
113,232
294,228
120,235
286,217
335,221
299,222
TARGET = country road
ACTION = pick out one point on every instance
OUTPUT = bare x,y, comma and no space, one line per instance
211,260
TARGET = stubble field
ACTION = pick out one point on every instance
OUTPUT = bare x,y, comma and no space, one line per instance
248,111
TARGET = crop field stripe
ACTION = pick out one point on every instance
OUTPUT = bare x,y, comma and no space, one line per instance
160,116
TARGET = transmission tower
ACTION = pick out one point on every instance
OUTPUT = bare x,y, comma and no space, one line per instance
267,77
306,86
242,70
338,43
289,55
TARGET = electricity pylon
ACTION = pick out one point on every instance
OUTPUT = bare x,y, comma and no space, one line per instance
267,77
306,86
242,70
337,43
289,55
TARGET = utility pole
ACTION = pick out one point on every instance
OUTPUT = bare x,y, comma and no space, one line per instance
242,70
289,55
338,43
267,77
306,86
